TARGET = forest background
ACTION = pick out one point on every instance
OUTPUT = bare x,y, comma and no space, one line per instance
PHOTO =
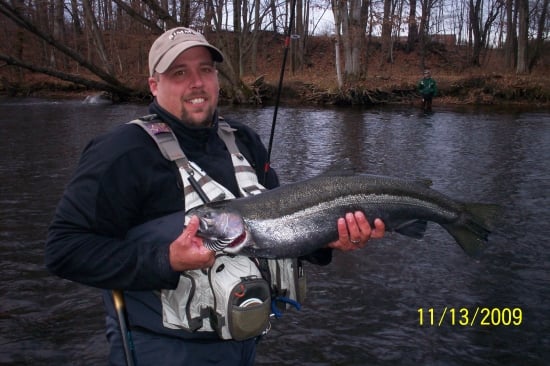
372,51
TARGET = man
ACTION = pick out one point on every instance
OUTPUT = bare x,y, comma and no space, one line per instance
428,89
123,180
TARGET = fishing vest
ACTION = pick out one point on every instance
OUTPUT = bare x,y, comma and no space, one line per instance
233,296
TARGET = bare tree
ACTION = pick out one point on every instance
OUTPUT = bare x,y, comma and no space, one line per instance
256,31
387,32
351,22
97,36
139,16
413,27
273,9
510,44
108,81
337,42
424,29
541,28
523,36
481,27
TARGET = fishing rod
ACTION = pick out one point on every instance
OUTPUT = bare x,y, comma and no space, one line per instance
279,88
120,307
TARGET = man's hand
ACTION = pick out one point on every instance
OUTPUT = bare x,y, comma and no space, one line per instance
188,252
354,231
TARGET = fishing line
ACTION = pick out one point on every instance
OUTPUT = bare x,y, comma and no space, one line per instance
279,89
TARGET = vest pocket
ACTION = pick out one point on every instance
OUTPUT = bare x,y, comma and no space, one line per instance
242,298
249,317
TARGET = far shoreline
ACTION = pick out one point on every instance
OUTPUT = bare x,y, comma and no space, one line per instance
473,90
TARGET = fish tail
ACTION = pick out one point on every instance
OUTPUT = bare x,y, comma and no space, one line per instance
472,231
484,214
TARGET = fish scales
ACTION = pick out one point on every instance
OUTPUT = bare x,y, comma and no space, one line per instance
299,218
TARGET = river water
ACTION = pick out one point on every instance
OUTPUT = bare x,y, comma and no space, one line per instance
383,305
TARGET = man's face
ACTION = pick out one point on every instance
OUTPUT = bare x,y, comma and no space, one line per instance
189,88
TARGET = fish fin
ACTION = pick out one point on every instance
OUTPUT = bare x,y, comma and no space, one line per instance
413,228
472,232
471,241
484,214
426,182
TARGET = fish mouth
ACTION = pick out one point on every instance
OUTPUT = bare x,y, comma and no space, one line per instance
222,231
229,246
238,243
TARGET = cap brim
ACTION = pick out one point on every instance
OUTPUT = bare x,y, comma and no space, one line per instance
169,57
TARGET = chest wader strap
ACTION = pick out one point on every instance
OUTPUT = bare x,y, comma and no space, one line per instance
168,145
245,174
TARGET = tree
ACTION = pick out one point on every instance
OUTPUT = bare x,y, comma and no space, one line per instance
541,29
90,55
108,81
523,36
413,27
510,44
387,32
350,19
424,34
480,29
97,37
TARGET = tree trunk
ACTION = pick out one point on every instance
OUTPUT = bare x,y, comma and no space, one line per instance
236,50
59,27
424,28
353,22
273,8
539,40
386,33
186,13
161,14
511,35
338,41
255,35
139,17
339,78
413,27
523,17
97,36
476,31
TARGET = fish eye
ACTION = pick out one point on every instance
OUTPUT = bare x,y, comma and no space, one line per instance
207,215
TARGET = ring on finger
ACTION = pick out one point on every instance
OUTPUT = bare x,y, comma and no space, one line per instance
355,242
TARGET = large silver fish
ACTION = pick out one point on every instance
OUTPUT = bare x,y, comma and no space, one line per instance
299,218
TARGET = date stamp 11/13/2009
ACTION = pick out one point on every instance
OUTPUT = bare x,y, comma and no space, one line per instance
469,317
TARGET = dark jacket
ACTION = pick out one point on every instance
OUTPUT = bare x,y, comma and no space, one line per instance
427,87
122,180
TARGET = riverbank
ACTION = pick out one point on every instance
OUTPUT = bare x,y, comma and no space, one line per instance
478,90
395,83
493,89
385,83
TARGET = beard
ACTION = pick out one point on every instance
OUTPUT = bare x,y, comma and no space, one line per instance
200,118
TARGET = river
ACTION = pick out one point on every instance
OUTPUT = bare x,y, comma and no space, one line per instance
397,302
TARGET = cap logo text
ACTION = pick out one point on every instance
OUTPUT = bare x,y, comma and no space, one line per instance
180,31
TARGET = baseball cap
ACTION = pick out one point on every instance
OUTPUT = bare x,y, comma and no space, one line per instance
172,43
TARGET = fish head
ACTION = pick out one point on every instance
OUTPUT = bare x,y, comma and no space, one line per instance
221,230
